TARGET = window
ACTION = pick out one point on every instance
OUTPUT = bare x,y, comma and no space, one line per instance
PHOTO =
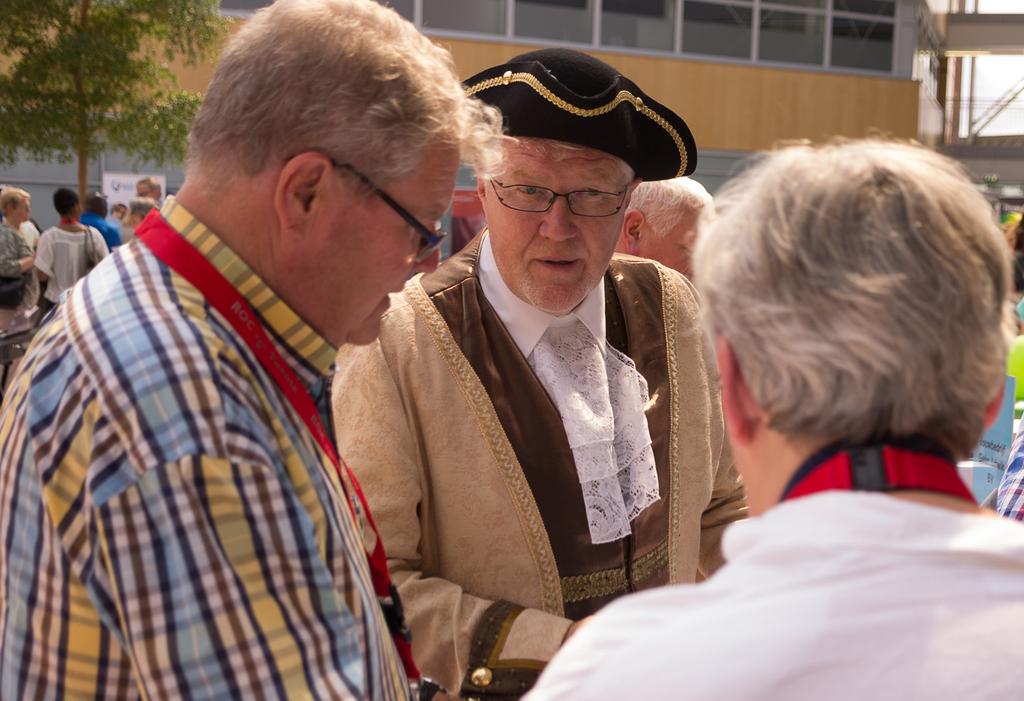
561,20
485,16
817,4
717,30
858,43
792,37
645,24
402,7
794,32
885,8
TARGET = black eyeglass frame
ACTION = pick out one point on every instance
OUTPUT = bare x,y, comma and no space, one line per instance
430,241
495,184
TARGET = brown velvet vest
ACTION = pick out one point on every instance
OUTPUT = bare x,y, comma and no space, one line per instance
591,575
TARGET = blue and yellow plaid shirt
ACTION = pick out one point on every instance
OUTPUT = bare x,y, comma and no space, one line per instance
1010,496
169,527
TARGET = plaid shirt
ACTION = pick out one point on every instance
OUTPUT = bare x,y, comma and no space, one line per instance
169,527
1010,496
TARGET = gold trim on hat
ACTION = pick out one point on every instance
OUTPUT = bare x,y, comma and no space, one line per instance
622,96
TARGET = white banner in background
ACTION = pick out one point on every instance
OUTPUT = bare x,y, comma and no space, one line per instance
120,187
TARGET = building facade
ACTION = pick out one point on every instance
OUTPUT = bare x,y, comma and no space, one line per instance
745,74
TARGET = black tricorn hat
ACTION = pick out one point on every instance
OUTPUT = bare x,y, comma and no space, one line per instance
569,96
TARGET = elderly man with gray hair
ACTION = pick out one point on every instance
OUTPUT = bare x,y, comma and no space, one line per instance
175,519
554,434
661,222
137,210
861,330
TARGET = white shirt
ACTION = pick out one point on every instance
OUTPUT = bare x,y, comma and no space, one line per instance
599,395
524,322
828,597
62,258
30,233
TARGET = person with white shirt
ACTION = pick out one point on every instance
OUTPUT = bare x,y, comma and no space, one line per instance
30,232
68,251
538,430
861,331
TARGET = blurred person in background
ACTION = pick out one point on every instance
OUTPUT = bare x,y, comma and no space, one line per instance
118,211
138,208
1015,237
29,228
95,215
661,222
16,256
149,187
68,251
855,296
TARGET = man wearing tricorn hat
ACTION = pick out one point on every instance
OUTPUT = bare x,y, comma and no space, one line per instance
537,429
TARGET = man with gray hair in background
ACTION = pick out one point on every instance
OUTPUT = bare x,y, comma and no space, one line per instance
138,208
175,520
661,222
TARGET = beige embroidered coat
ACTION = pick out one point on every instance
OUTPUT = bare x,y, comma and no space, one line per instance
471,481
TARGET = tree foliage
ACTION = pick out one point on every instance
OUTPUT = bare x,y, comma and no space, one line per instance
80,76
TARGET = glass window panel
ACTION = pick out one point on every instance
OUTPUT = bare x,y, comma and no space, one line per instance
819,4
485,16
792,37
867,7
858,43
402,7
645,24
562,20
718,30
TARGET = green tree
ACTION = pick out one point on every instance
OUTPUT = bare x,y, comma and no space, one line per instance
81,76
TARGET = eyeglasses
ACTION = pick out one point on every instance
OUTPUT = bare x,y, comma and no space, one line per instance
533,198
430,241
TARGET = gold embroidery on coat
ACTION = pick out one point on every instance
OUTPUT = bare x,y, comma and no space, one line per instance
613,581
670,307
593,585
651,563
500,448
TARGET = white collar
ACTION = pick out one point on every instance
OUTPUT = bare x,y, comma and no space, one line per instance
525,323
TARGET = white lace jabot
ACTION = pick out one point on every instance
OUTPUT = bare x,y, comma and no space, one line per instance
598,393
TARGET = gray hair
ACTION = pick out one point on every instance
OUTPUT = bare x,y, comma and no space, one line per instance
141,206
350,78
666,204
863,287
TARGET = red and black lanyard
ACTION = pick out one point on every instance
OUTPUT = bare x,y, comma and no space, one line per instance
183,258
914,463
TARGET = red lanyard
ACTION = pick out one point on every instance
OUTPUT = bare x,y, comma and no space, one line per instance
68,221
171,248
913,464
